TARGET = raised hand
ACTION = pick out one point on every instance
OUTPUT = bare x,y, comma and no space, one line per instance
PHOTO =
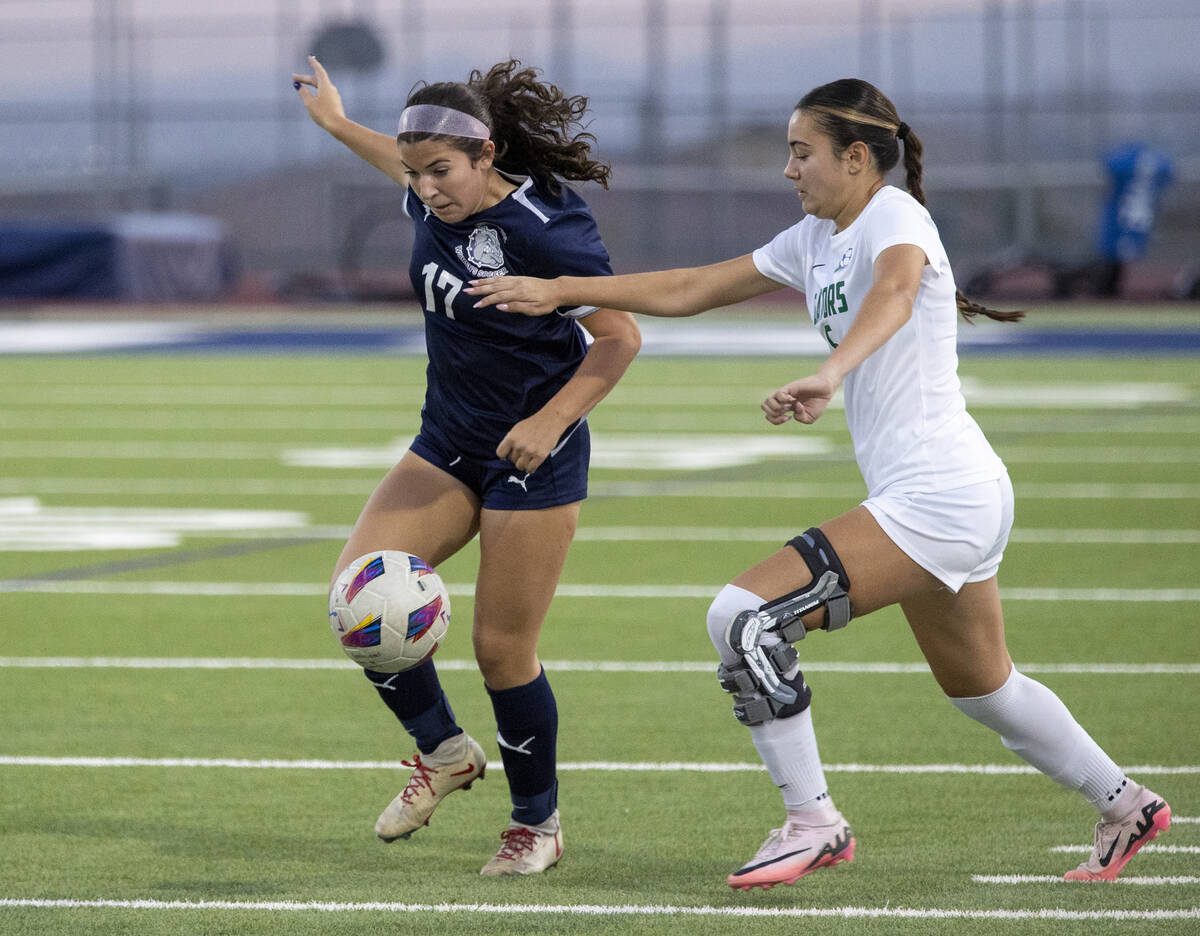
324,105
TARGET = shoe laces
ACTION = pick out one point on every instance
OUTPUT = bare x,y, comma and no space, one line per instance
773,840
517,842
421,777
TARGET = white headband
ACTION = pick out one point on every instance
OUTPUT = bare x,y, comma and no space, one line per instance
445,121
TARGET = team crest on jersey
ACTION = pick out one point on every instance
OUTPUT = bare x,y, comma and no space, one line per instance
484,252
845,261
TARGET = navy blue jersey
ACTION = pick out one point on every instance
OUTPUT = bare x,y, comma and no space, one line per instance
490,369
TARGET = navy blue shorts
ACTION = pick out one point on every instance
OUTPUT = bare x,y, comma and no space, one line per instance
560,479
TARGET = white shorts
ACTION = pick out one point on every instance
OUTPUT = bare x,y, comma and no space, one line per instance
957,535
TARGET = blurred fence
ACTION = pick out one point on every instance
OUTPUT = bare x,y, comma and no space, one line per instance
117,105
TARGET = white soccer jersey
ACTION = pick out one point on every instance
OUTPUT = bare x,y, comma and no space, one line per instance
904,403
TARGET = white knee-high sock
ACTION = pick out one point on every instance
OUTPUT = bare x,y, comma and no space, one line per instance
1035,725
787,746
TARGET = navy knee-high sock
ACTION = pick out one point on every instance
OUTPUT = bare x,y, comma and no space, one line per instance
527,731
416,698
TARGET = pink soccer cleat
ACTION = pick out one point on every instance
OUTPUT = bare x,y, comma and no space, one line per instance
793,851
1118,841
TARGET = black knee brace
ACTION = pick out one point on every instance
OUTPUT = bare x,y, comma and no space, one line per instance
818,554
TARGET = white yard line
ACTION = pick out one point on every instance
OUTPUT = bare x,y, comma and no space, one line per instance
667,446
465,589
1162,849
578,666
986,770
602,910
1171,881
359,487
276,419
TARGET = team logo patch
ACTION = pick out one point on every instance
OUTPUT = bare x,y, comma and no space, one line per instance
422,619
484,251
370,570
845,261
366,634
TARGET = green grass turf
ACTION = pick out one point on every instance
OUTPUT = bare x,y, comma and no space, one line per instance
652,838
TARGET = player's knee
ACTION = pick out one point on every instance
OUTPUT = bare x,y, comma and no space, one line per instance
730,601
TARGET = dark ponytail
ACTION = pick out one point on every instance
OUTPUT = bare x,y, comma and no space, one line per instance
531,123
851,110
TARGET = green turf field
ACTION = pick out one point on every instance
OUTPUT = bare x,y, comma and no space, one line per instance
180,735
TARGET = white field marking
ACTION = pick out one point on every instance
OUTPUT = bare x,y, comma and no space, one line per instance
232,763
1145,849
574,666
1079,395
662,534
642,451
276,420
646,451
35,337
801,490
28,526
979,395
1054,879
1186,819
671,534
1099,454
717,534
142,450
1106,423
600,910
310,589
758,490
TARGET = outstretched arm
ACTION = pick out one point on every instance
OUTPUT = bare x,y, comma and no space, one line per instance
324,106
617,341
667,293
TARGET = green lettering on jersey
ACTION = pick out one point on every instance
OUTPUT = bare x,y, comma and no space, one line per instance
831,300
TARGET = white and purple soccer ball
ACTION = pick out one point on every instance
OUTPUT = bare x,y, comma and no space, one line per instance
389,611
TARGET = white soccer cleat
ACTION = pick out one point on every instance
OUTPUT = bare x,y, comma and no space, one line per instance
527,849
1117,841
454,765
793,851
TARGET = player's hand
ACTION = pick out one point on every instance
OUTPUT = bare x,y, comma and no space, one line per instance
803,400
530,442
324,105
526,295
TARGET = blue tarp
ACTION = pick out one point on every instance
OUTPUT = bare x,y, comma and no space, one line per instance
130,257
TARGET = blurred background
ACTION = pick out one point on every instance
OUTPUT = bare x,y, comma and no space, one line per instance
154,150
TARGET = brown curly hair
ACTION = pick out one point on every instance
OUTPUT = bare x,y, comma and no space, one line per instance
532,124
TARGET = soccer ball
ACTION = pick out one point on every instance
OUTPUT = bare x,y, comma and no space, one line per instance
389,611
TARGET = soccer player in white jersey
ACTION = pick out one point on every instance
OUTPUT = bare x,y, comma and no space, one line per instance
503,447
931,533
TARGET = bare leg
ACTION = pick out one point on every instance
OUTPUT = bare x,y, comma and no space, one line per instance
521,557
418,509
880,572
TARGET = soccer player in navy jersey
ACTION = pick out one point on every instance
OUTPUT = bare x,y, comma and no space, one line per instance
503,446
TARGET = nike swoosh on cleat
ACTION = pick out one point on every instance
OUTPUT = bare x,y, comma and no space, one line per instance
466,770
747,870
